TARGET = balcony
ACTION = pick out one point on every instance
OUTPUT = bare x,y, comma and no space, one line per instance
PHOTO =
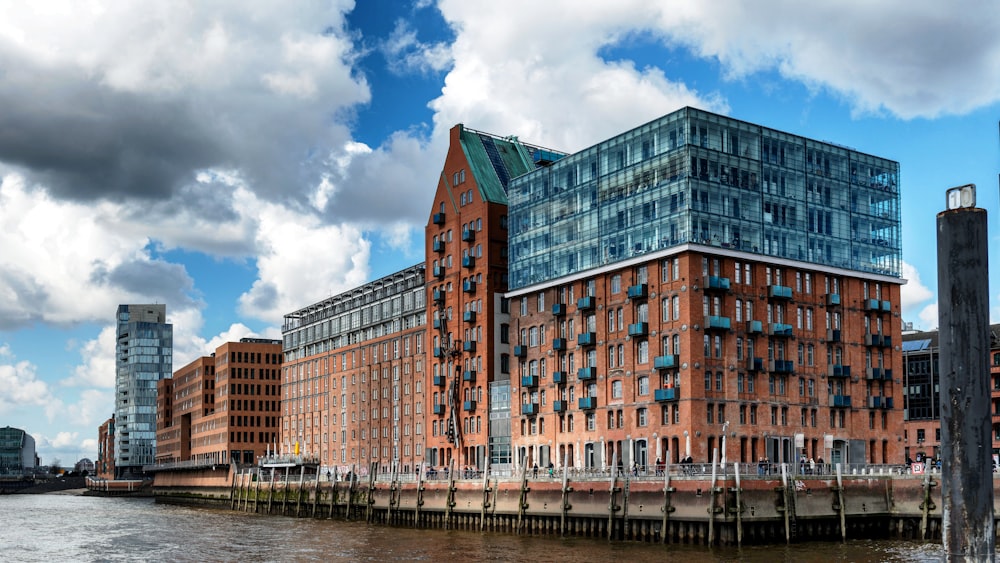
468,235
833,335
468,406
585,303
717,283
559,377
779,292
438,323
529,381
586,374
437,246
779,329
638,329
588,402
668,394
559,344
670,361
559,309
832,299
558,406
438,409
874,374
838,370
529,409
440,352
755,364
781,366
872,339
468,261
887,403
714,322
886,306
520,351
638,291
438,219
586,339
469,286
874,402
438,272
755,327
469,346
840,401
469,316
440,381
872,305
438,296
469,375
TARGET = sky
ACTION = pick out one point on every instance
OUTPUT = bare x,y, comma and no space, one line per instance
240,160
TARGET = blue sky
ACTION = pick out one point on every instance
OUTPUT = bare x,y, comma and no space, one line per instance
239,160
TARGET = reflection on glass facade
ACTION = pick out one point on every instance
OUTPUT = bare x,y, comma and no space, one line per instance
693,177
144,355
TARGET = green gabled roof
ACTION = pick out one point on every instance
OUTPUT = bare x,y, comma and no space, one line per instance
494,161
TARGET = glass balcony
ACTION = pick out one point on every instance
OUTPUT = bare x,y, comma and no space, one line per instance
529,381
586,339
638,329
718,283
469,316
440,381
529,409
874,402
779,292
468,406
468,235
438,218
838,370
755,327
559,377
438,323
469,286
668,394
781,366
468,261
874,374
717,323
469,375
832,299
438,296
438,272
440,352
840,400
586,374
872,305
559,309
558,343
588,402
438,409
585,303
437,246
669,361
638,291
755,364
520,351
469,346
559,406
887,402
886,306
780,329
833,335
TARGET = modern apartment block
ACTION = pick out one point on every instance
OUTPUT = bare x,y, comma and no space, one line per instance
222,408
143,356
922,392
697,284
703,286
105,466
352,382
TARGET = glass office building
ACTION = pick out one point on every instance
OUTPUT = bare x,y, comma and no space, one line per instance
143,356
697,178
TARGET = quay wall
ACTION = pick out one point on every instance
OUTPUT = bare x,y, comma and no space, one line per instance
672,508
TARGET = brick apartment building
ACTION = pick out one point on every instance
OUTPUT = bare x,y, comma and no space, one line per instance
221,408
697,284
